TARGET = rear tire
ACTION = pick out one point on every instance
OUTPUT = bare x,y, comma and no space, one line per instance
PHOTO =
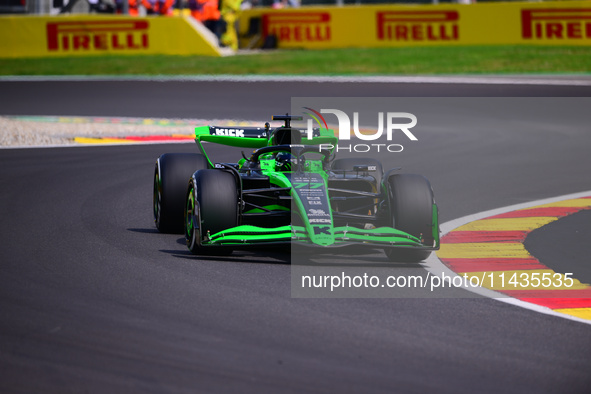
411,208
172,172
211,206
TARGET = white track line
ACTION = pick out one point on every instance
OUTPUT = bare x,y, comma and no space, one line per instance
555,80
436,267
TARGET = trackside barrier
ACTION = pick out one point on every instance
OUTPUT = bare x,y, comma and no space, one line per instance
548,23
81,35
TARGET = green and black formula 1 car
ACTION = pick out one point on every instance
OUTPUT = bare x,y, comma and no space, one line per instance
291,190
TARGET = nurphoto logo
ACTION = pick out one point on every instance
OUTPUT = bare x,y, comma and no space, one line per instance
394,121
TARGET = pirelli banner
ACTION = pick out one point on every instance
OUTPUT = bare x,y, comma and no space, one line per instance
548,23
25,36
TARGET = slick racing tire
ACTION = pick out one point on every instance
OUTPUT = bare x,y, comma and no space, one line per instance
348,164
411,206
211,206
172,172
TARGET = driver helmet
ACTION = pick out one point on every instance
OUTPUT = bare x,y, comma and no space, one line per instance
284,161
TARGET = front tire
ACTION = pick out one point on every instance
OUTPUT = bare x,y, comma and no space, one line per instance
211,206
411,210
171,174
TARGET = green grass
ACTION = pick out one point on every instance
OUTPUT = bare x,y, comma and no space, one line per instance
432,60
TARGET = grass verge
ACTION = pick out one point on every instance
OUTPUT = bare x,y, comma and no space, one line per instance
353,61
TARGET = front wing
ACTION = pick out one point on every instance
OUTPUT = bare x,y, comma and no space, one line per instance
383,237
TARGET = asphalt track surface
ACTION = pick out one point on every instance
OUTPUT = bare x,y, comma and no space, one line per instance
93,299
222,100
564,245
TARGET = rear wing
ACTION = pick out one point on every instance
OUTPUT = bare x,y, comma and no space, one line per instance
242,137
255,137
